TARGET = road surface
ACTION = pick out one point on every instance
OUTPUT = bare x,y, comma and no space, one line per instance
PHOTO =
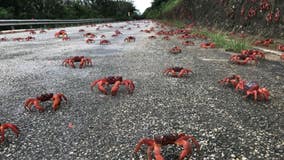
108,127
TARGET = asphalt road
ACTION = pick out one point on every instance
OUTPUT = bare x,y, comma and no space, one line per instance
108,127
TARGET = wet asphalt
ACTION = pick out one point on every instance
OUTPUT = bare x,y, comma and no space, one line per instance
108,127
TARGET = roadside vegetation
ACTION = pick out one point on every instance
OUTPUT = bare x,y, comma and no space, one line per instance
66,9
222,40
160,7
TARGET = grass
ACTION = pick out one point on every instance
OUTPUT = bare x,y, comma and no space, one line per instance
220,38
223,41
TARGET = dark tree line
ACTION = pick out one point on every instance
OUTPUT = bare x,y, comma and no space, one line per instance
64,9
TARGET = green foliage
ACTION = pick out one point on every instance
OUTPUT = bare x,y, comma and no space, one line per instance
66,9
223,41
4,13
159,7
166,7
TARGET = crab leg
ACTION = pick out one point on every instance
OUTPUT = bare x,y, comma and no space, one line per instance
254,93
173,73
57,99
197,145
240,85
82,63
32,101
187,149
129,84
146,141
115,88
183,71
71,63
101,87
94,83
157,152
264,92
14,128
149,152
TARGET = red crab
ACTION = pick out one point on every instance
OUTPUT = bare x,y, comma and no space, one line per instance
117,32
56,98
201,36
4,39
255,53
277,15
265,43
280,47
251,12
166,38
268,17
66,38
116,81
5,126
18,39
175,50
152,37
89,35
81,30
185,36
60,34
282,56
129,39
207,45
90,40
83,61
265,5
157,142
104,42
233,80
177,71
146,31
182,31
242,59
252,88
32,32
188,43
29,38
42,31
243,10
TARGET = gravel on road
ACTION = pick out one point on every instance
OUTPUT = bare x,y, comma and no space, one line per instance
108,127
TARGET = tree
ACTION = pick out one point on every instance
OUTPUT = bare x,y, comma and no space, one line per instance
65,8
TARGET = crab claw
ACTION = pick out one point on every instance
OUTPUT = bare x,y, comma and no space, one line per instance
101,88
129,85
94,83
151,146
184,71
115,88
33,102
240,85
173,73
264,92
4,126
57,98
101,83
